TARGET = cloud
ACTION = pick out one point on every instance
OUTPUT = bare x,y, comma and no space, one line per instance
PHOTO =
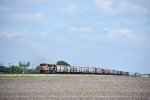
27,16
126,36
104,5
128,7
7,35
4,9
120,7
68,10
14,13
62,40
117,36
141,22
44,33
30,1
106,28
82,29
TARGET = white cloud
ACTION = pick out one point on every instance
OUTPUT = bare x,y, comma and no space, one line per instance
27,16
32,1
118,36
68,10
62,40
120,7
134,21
44,33
83,29
126,6
9,35
125,36
106,28
4,8
104,5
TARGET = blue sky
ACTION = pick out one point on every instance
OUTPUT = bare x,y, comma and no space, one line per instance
111,34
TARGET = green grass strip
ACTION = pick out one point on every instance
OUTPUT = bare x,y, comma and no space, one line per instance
22,77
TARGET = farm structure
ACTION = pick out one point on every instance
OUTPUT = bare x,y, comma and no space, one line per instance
56,69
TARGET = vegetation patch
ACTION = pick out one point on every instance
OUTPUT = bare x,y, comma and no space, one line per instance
20,77
23,76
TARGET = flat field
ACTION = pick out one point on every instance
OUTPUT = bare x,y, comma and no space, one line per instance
74,87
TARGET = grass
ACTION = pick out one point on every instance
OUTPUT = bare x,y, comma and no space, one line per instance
16,77
24,76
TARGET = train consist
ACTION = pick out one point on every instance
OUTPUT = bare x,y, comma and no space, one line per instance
52,69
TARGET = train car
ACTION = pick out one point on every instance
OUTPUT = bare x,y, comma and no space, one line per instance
92,70
82,70
52,68
106,71
138,75
123,73
73,70
79,70
112,72
99,71
62,69
116,72
131,74
86,70
145,75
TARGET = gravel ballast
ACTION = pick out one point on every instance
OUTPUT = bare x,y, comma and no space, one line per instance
72,87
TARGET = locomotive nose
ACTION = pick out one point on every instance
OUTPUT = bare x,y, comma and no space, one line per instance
44,67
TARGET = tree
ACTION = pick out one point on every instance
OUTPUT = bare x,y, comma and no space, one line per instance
13,70
2,68
8,70
16,69
19,69
62,63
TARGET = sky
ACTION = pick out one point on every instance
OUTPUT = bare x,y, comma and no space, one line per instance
112,34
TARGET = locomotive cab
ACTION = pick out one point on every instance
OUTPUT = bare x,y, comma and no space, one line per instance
47,68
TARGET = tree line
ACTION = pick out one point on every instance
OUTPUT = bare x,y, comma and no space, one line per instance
20,69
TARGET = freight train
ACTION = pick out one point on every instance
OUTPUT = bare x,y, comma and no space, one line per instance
61,69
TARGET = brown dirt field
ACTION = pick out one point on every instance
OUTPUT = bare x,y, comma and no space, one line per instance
71,87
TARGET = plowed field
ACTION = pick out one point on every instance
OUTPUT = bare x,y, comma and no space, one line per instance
72,87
